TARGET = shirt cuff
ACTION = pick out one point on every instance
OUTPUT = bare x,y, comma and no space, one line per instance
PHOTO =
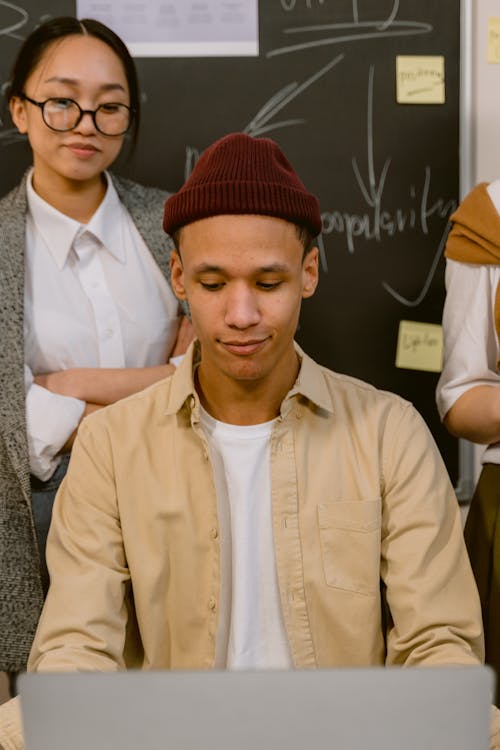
11,734
176,360
50,420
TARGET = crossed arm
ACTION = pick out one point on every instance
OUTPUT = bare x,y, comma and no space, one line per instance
476,415
99,387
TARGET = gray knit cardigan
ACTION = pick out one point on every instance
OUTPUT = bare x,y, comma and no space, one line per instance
20,587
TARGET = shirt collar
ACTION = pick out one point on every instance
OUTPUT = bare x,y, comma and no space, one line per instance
183,388
58,231
107,223
310,384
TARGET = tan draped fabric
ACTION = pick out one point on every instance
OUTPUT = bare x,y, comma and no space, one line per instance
475,236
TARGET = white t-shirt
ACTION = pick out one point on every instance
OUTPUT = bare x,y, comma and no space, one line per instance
470,339
252,632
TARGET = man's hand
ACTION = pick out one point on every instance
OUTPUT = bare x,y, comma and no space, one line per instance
106,385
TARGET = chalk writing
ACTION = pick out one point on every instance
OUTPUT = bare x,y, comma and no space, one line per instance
19,20
358,30
11,135
430,275
380,222
257,126
192,156
291,5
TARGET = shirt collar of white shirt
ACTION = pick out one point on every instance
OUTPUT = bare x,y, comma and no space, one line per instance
58,231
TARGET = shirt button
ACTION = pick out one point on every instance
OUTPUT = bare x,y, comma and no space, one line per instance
212,603
214,533
107,333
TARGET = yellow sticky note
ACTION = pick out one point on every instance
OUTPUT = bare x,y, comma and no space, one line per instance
494,40
420,79
420,346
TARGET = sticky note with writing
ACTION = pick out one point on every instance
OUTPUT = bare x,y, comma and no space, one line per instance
494,40
420,346
420,79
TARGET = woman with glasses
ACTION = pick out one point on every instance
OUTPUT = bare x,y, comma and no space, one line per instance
87,315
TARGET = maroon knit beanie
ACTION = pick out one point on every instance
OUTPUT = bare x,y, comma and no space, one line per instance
239,174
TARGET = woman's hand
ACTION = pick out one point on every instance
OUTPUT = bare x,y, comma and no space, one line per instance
100,385
185,335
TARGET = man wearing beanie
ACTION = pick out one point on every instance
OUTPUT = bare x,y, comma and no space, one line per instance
266,512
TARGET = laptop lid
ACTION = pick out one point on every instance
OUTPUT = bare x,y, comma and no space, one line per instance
422,708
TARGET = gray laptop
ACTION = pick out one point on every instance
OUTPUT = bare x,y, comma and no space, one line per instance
425,708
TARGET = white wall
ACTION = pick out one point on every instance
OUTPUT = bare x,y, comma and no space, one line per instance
485,96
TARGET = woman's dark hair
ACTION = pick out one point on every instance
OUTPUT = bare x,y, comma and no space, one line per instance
35,45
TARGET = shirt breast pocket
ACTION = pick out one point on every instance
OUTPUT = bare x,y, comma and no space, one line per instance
350,544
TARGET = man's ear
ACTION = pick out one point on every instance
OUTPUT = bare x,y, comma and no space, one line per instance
177,275
310,273
18,113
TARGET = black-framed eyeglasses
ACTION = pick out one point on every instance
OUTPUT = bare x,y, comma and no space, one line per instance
62,114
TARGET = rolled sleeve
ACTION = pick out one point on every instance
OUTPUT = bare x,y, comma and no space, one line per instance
11,732
50,420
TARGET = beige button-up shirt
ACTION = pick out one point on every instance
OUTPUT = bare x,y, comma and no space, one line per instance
362,508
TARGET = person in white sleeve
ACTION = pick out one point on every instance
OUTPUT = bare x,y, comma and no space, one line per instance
468,392
87,314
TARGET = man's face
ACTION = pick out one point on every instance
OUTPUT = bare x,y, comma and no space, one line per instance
244,277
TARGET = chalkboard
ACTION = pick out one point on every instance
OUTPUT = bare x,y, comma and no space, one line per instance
386,174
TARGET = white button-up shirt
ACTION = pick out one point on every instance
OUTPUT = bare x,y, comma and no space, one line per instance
470,338
94,297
